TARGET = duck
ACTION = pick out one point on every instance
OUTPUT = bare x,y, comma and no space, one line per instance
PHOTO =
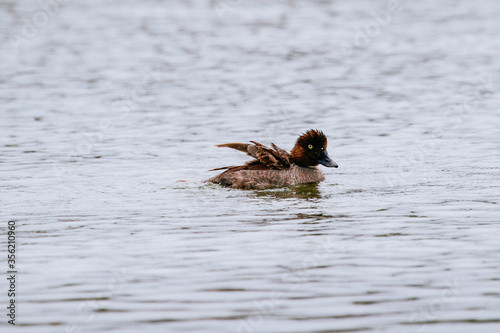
273,167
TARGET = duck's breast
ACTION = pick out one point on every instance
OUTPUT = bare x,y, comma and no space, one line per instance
302,175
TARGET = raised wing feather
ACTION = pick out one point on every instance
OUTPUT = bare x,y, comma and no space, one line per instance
244,147
265,158
272,158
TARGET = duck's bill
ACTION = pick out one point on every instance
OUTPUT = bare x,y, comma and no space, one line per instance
325,160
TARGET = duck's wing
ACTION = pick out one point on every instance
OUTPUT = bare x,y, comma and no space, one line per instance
265,158
247,148
283,154
273,158
250,165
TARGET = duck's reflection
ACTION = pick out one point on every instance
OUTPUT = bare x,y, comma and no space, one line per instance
303,191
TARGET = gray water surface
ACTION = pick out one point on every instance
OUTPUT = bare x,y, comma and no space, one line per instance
110,113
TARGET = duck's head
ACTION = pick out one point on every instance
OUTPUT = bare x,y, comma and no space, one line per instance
310,150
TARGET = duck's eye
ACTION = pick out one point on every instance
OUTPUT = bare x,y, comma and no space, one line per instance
310,146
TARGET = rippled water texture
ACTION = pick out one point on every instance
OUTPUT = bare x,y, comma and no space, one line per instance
110,113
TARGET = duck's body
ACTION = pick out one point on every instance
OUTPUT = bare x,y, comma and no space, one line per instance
262,179
274,167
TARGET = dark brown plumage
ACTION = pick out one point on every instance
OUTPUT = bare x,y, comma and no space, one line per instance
274,167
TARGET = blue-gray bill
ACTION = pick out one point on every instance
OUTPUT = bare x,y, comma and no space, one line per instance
325,160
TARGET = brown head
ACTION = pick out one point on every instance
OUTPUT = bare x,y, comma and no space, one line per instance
310,150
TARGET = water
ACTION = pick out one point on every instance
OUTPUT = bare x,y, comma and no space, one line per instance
110,114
